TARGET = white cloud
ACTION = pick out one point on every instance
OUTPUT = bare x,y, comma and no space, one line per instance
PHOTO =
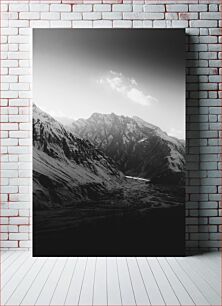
176,133
127,87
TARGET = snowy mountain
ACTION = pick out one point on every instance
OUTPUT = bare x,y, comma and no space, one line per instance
67,168
139,148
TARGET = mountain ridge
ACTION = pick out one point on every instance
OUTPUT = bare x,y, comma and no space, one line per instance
138,147
66,167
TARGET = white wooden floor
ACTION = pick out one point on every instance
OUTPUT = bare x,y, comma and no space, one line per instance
191,280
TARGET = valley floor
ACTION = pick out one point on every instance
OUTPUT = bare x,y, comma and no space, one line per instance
117,224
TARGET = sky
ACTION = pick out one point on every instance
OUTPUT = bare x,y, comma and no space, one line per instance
130,72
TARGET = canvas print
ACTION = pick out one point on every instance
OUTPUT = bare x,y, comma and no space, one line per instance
108,142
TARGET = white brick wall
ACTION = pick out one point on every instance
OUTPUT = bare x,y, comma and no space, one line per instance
201,20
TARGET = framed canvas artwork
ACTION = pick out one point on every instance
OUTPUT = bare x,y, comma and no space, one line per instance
109,142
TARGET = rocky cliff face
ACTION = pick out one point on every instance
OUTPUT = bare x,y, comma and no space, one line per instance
139,148
67,168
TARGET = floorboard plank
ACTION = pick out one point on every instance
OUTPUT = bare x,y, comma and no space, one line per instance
191,288
17,278
37,285
213,279
208,292
113,286
127,294
163,283
13,270
100,285
21,290
139,288
11,261
86,295
7,256
60,293
73,293
211,261
178,287
152,288
47,292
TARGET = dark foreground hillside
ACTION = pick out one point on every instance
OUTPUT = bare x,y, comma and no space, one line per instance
141,220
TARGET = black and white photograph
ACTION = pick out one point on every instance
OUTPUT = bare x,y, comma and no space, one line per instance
109,142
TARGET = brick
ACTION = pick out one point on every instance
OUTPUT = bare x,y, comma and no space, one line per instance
29,15
39,24
24,212
122,7
208,39
9,63
162,23
215,220
137,8
13,47
24,126
71,16
102,24
180,23
37,7
9,212
102,7
19,86
82,24
154,8
177,8
92,15
9,31
24,244
4,220
51,15
187,16
215,236
135,15
60,24
213,7
24,229
215,63
122,23
112,15
197,7
138,23
4,7
171,16
19,150
19,118
18,236
8,228
18,7
82,8
203,23
9,142
18,23
60,8
8,244
208,205
200,236
208,15
19,71
9,173
9,126
147,24
19,102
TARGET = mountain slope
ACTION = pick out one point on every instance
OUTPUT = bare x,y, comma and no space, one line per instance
67,168
139,148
